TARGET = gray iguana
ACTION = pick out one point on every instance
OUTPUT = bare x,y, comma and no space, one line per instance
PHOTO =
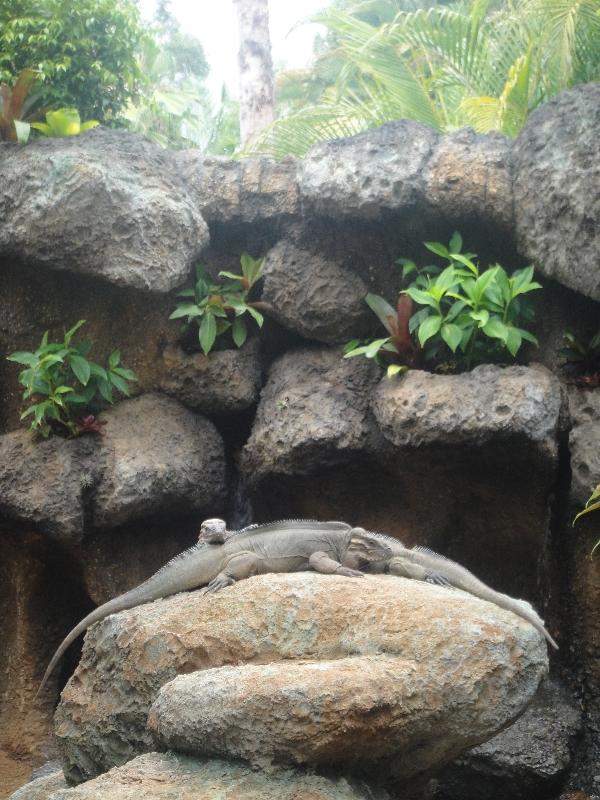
223,557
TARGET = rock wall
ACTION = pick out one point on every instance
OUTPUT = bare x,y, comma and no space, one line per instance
486,467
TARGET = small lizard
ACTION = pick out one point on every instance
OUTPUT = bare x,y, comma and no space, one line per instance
221,558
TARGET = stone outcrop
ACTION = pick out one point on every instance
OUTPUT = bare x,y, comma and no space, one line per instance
153,456
128,657
556,190
106,203
313,295
312,411
159,776
369,174
225,382
41,788
584,410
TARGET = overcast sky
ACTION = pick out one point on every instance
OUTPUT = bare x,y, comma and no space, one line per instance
214,23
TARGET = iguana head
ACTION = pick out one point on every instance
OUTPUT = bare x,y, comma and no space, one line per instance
212,530
365,550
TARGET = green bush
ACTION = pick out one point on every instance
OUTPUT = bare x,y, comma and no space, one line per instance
83,51
220,307
63,389
64,122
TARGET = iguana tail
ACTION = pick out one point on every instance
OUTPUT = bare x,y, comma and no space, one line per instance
461,578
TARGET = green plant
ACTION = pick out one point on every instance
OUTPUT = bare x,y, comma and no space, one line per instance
84,51
220,307
63,389
593,504
397,351
582,358
63,122
472,313
16,105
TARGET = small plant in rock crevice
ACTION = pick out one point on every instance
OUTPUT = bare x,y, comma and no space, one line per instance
468,315
593,504
63,122
582,356
63,390
218,308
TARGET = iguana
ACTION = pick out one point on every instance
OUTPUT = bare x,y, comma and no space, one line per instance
289,546
417,563
223,557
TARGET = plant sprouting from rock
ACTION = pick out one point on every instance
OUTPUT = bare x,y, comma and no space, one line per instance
582,358
63,390
593,504
63,122
216,308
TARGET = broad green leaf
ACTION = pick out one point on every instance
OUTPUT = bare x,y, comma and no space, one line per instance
105,389
417,319
482,282
374,347
463,259
396,369
207,333
256,315
529,337
239,332
421,297
186,293
456,243
114,359
22,357
128,374
98,371
357,351
446,279
587,510
513,341
351,345
481,316
186,310
22,129
407,265
81,368
384,311
231,275
119,383
429,328
455,310
495,329
452,335
62,390
438,248
69,334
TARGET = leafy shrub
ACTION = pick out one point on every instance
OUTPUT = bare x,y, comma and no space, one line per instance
84,51
63,122
593,504
468,316
16,106
63,389
582,358
221,307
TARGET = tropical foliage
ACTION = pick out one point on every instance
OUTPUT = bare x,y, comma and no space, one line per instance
17,104
84,52
480,63
63,122
469,316
216,308
63,390
582,354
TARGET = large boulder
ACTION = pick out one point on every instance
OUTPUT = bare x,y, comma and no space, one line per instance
370,174
106,203
41,788
448,661
159,776
154,456
224,382
313,411
313,295
557,189
584,410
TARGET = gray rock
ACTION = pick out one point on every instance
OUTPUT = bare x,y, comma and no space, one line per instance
154,455
490,665
248,190
368,174
471,408
557,189
41,788
106,203
529,759
224,382
584,408
469,176
314,296
166,776
160,458
313,412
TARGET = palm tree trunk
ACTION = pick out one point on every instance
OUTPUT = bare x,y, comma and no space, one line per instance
256,68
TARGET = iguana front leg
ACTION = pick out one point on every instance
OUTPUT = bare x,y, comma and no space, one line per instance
241,565
321,562
408,569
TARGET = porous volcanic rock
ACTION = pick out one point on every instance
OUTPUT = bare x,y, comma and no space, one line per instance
247,190
105,203
529,759
584,410
471,408
167,776
451,657
469,176
160,458
154,455
313,411
557,189
367,175
313,295
225,382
